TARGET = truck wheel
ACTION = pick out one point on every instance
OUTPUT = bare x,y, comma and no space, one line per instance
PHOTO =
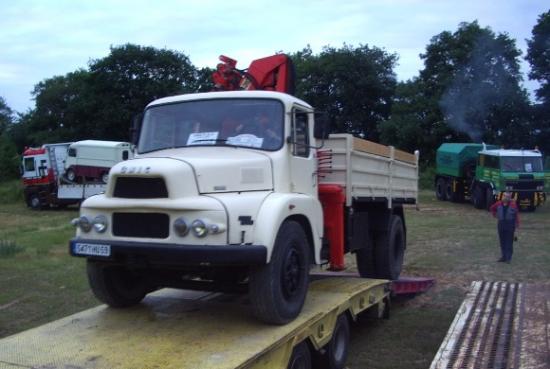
70,175
336,351
114,285
364,259
489,198
278,290
35,203
477,197
390,249
449,194
440,189
301,357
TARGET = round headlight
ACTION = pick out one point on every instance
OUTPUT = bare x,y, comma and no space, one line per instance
180,226
84,223
100,223
199,228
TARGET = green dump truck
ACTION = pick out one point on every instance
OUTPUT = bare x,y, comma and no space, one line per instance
481,173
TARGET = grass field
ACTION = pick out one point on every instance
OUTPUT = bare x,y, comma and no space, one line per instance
454,243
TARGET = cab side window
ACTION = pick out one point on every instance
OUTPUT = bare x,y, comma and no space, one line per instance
29,164
300,134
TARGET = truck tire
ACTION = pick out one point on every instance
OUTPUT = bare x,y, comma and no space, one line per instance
301,357
449,194
34,202
478,197
336,350
365,261
440,189
489,198
278,290
390,249
70,175
114,285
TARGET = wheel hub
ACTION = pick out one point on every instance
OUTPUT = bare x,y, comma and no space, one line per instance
291,273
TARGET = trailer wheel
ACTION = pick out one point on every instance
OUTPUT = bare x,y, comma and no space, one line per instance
115,285
440,189
477,197
278,290
301,357
336,351
390,250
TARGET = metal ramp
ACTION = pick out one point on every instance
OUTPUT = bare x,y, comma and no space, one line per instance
499,325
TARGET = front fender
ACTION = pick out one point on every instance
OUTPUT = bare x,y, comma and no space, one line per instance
278,207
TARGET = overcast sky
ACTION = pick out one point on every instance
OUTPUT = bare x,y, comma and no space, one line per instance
42,39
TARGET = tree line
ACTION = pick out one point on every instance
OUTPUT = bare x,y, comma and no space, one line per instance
468,90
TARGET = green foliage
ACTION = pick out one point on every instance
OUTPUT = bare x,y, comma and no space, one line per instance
9,160
11,192
426,180
354,86
539,57
9,249
468,90
6,115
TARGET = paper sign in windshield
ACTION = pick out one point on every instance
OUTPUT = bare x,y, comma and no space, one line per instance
247,140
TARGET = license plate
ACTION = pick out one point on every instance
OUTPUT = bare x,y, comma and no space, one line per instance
92,249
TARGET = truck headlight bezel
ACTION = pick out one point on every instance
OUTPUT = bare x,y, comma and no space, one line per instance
199,228
100,223
180,227
84,223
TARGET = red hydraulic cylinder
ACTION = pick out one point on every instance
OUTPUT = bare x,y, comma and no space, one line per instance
332,199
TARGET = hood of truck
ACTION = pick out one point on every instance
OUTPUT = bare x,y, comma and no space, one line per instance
223,169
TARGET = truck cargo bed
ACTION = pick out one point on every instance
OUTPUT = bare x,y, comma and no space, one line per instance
371,171
185,329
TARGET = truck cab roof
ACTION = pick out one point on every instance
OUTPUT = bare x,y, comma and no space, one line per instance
286,98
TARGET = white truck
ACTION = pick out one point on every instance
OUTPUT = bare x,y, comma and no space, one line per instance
243,191
44,180
90,160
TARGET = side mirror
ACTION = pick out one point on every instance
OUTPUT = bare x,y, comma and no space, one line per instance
136,128
321,129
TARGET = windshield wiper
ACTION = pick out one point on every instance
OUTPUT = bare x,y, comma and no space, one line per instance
215,140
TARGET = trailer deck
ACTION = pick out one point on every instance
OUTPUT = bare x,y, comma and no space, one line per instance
186,329
499,325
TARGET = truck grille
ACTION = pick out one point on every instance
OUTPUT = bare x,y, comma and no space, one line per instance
144,225
140,188
524,185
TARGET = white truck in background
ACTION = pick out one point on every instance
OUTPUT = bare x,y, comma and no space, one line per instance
243,190
44,179
91,160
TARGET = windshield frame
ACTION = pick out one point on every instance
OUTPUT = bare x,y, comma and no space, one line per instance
532,159
218,141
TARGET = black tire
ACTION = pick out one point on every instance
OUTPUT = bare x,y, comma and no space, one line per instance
478,197
390,250
440,189
449,194
115,285
335,353
278,290
34,202
365,260
70,175
301,357
489,198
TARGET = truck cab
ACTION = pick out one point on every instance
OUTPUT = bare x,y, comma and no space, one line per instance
520,172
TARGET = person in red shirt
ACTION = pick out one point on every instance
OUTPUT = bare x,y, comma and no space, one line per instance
507,213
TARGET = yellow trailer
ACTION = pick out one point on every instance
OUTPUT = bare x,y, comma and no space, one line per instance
200,330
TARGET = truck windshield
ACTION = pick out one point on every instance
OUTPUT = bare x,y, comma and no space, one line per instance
253,123
521,163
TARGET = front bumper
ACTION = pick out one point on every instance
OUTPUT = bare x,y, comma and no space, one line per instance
169,254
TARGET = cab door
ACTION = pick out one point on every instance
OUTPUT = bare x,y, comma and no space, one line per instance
303,166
